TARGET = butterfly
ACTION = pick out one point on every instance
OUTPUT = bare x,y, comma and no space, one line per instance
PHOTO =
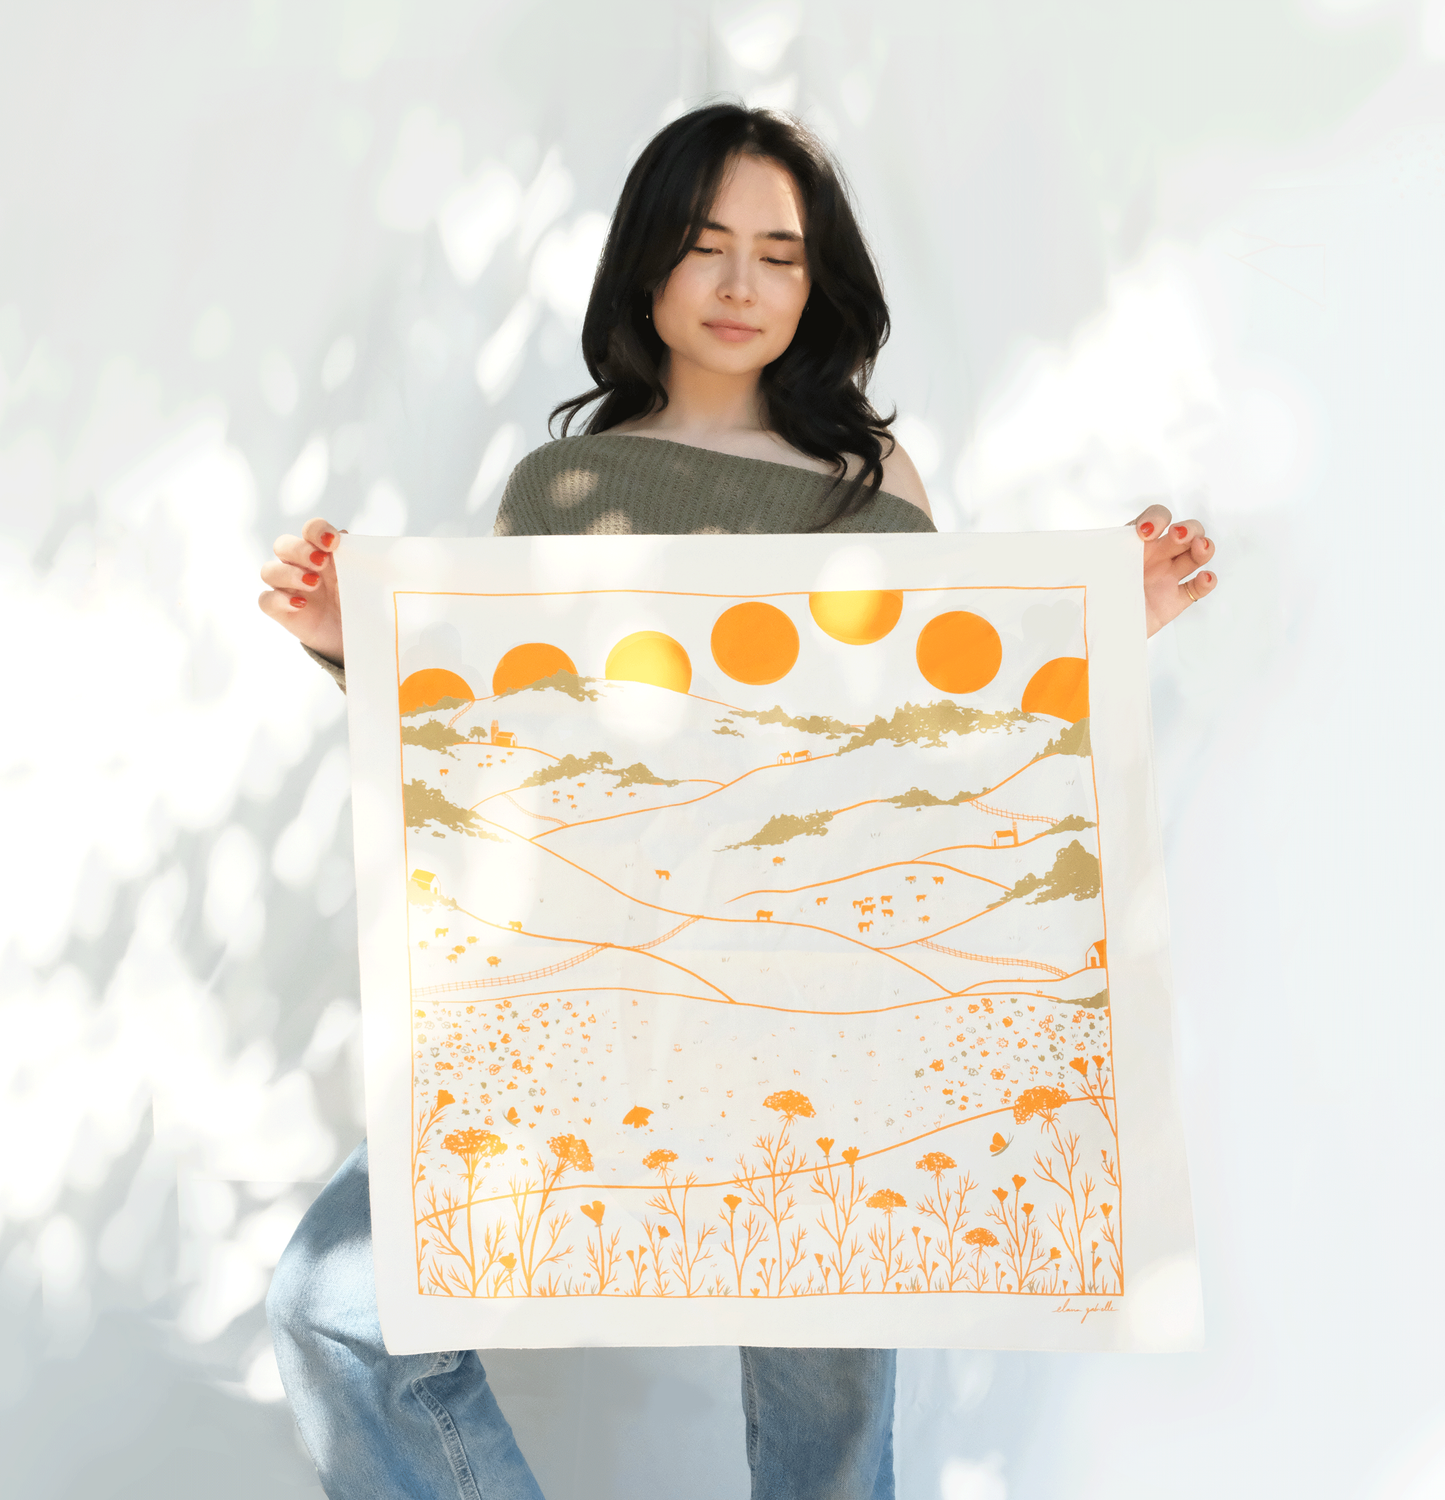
997,1146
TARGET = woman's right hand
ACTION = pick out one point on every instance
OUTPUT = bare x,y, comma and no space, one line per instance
301,588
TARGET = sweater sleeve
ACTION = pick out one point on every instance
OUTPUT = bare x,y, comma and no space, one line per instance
524,507
333,669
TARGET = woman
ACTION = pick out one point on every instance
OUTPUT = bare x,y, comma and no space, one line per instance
733,324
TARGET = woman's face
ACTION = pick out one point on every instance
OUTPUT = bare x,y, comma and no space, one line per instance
732,305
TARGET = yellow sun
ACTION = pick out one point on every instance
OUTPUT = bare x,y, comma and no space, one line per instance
754,643
1060,687
959,652
650,656
422,689
524,665
857,617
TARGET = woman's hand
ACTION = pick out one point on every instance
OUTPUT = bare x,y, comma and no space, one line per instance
1171,553
301,592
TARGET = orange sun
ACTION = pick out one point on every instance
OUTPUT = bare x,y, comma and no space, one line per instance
1060,687
857,617
422,689
754,643
524,665
650,656
959,652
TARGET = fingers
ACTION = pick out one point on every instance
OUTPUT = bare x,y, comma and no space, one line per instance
1151,522
1195,549
1195,589
285,575
283,606
321,534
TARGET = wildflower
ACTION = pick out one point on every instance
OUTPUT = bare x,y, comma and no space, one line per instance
509,1261
936,1162
444,1098
1028,1209
655,1161
1040,1100
850,1155
1079,1066
1107,1208
570,1151
887,1200
790,1104
1054,1253
1098,1062
1001,1194
1019,1181
473,1145
594,1211
980,1236
636,1117
825,1144
733,1202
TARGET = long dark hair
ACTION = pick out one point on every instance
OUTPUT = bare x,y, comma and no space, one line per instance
816,390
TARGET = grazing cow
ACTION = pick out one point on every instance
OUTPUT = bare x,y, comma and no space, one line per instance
865,927
910,878
867,908
493,960
923,919
515,926
920,898
765,916
778,859
441,932
885,899
663,874
887,911
938,880
822,901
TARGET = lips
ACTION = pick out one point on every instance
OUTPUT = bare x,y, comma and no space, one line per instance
730,332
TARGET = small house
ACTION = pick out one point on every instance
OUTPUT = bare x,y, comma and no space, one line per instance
1095,957
424,883
502,736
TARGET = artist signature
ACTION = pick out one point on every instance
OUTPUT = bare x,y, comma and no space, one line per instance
1068,1305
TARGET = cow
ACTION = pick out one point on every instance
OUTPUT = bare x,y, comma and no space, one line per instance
887,911
778,859
885,899
515,926
910,878
663,874
920,898
865,927
765,916
938,880
493,960
923,919
822,901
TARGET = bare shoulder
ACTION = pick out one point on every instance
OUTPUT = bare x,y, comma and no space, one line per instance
900,478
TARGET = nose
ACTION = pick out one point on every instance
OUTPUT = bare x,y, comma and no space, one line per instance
736,284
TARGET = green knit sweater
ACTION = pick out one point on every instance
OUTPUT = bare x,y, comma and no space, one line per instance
612,485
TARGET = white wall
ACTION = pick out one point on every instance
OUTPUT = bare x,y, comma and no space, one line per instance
261,259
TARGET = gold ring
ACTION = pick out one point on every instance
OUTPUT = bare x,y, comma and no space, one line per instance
1193,597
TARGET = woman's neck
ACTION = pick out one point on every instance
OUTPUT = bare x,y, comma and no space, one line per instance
704,407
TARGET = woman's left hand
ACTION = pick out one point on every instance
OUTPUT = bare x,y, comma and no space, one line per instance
1172,551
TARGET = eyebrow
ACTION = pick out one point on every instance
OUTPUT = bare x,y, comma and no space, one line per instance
786,235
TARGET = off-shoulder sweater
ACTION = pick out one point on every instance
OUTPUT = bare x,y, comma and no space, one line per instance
611,485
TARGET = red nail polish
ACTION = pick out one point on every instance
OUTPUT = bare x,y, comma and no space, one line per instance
327,537
1181,532
298,604
1147,529
309,578
318,558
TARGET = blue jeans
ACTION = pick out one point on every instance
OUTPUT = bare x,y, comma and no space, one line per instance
819,1422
